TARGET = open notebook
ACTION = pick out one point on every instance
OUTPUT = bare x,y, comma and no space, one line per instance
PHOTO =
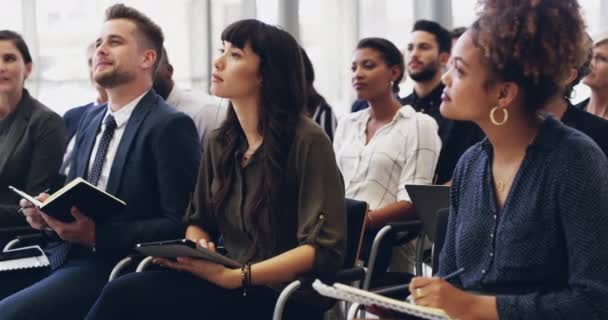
92,201
23,258
348,293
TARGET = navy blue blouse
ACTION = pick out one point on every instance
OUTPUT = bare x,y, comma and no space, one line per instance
545,253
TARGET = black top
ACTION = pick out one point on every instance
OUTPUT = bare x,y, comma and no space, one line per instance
326,119
593,126
31,150
429,104
583,104
5,126
544,254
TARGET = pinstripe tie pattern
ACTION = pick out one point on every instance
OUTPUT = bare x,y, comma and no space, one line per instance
102,149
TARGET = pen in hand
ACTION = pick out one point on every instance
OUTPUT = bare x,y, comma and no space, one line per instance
446,278
26,207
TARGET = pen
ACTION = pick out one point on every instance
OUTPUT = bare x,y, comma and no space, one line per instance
454,274
22,208
406,286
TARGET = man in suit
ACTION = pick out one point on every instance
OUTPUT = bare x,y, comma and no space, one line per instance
135,147
73,116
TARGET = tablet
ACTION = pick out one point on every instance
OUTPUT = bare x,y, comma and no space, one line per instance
183,248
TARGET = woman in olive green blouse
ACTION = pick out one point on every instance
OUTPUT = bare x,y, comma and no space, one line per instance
268,184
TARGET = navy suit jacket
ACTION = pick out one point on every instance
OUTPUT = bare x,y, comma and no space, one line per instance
154,172
72,118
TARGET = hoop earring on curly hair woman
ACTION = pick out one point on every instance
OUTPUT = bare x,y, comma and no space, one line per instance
493,116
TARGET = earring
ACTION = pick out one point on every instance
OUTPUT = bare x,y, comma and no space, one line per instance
493,117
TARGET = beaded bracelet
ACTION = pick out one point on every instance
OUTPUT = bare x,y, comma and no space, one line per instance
245,277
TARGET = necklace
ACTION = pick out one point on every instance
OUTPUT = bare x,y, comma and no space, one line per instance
502,182
500,185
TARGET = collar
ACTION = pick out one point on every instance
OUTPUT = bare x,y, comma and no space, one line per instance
405,111
242,148
123,114
22,110
431,100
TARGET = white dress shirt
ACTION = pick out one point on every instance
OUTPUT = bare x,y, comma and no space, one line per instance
206,111
404,151
121,117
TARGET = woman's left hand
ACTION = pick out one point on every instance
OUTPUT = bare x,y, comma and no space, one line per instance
438,293
212,272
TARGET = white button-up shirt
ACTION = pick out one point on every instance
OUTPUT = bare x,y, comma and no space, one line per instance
404,151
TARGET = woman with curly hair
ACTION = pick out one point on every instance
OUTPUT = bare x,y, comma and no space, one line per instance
528,220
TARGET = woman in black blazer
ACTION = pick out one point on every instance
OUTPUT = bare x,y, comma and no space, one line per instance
31,135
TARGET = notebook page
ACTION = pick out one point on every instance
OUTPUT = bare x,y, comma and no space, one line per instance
348,293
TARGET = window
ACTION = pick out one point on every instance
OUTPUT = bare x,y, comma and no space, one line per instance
328,34
223,13
10,15
64,28
464,12
392,20
268,11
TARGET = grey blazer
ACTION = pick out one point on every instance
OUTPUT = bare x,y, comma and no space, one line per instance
31,156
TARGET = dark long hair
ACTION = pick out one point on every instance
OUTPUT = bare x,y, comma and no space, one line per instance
282,101
314,97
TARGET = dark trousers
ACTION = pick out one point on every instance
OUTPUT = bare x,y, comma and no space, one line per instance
168,294
65,293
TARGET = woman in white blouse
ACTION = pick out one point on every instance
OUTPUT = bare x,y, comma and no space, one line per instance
382,148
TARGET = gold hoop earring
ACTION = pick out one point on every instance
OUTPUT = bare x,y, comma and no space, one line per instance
493,117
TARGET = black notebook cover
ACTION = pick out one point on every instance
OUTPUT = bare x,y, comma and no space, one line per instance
90,200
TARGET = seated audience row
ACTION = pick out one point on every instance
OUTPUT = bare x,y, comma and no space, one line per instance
531,237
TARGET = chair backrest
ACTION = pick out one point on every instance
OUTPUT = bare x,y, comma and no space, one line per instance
428,199
440,230
356,212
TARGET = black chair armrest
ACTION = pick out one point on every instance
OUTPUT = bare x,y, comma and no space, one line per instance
350,275
412,225
343,276
406,231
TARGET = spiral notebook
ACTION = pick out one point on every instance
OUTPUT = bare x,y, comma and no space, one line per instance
23,258
348,293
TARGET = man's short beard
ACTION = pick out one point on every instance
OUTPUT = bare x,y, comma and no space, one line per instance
427,74
114,79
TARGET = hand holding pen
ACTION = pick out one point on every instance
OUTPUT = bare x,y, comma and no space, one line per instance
24,203
31,212
439,293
